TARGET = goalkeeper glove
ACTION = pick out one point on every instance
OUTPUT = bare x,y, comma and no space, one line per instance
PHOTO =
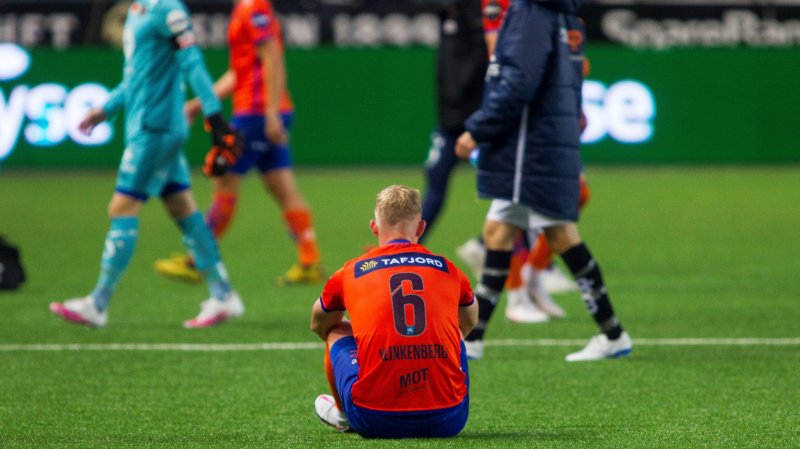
226,146
218,161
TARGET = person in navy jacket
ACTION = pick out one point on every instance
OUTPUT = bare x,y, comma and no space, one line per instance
528,132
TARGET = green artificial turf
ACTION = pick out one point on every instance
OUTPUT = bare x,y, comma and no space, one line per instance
687,253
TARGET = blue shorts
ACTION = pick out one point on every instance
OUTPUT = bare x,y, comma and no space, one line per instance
153,164
440,423
257,150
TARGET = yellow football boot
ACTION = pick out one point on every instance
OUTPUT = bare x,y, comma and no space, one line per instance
302,274
179,267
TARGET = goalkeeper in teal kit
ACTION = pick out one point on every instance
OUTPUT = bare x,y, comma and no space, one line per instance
160,52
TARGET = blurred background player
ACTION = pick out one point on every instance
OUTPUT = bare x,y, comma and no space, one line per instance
468,34
529,127
460,69
539,280
537,272
398,367
262,111
159,50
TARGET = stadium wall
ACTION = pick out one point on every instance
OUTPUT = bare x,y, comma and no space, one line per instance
376,106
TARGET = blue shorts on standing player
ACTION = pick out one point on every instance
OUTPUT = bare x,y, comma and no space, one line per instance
257,150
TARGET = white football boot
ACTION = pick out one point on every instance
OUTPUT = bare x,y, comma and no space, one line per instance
533,283
473,253
555,281
214,311
329,413
474,349
520,308
80,311
600,348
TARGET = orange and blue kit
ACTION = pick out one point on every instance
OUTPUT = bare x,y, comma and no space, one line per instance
253,23
403,303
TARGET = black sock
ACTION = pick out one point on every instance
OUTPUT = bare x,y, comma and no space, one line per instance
593,291
487,293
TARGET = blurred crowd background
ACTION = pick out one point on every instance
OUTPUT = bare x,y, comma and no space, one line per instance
671,82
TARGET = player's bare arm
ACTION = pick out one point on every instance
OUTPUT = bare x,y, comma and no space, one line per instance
467,318
491,41
322,322
93,118
223,88
274,74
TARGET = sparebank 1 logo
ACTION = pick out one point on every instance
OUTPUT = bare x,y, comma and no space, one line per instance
52,110
624,111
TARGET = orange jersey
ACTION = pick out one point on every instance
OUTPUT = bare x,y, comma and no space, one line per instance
253,22
403,303
493,13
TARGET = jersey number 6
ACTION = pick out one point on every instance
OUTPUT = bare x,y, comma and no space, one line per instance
400,300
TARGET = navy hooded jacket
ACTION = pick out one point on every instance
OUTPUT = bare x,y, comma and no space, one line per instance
528,126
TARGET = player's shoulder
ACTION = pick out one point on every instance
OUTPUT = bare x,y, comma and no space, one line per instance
165,6
422,249
174,12
251,6
448,264
258,13
411,256
453,268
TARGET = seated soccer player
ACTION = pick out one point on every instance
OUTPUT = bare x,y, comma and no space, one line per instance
398,367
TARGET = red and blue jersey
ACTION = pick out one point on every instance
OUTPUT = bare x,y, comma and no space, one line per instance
253,22
403,303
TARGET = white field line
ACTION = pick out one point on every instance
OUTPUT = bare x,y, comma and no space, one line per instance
296,346
658,342
187,347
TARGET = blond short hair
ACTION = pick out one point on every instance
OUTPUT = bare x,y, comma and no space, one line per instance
396,203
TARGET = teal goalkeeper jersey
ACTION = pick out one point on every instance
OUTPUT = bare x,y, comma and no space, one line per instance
159,48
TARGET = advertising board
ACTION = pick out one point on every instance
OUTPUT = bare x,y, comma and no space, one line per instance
376,106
